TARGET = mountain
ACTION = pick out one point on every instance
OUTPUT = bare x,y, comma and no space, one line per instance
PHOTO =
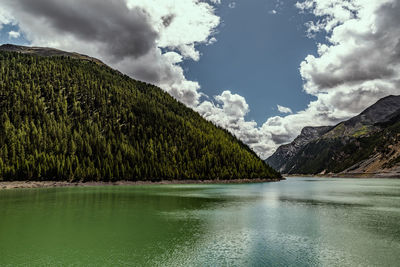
285,152
47,52
367,144
66,116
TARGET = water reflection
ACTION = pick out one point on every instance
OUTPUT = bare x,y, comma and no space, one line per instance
298,222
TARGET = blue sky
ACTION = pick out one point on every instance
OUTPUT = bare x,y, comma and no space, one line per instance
257,55
5,38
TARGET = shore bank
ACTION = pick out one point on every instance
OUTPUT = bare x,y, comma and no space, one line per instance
51,184
347,175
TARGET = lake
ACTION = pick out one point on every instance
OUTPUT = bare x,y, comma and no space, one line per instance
297,222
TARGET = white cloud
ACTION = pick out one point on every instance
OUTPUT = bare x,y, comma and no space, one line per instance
14,34
273,12
283,109
212,40
229,113
191,22
358,65
232,5
4,18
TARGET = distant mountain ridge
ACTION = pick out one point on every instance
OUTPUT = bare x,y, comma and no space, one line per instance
366,121
47,52
365,144
285,152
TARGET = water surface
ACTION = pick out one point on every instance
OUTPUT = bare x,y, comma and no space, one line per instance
298,222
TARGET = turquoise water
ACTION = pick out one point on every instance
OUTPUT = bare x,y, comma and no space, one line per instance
298,222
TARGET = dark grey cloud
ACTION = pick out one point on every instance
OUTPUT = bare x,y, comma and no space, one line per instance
167,20
355,72
120,31
355,102
281,139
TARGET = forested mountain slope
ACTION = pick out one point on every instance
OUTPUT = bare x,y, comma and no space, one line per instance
366,144
64,118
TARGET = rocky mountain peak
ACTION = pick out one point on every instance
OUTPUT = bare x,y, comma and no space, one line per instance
378,112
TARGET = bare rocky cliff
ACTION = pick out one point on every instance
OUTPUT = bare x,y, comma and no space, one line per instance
285,152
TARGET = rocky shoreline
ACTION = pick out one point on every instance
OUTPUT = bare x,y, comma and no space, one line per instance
52,184
393,175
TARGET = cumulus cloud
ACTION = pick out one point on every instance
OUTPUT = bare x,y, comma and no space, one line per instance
229,112
117,30
232,5
14,34
4,18
283,109
146,39
212,40
358,65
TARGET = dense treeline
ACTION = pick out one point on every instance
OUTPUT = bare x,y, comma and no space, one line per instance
69,119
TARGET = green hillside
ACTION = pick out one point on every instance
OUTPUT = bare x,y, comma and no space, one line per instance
69,119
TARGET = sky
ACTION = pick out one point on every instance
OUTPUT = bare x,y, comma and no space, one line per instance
257,56
263,69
